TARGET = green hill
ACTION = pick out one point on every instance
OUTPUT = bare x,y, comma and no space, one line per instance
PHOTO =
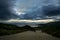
52,28
7,29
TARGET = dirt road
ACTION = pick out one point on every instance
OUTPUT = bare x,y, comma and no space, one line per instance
29,35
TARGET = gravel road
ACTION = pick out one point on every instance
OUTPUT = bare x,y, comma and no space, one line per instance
29,35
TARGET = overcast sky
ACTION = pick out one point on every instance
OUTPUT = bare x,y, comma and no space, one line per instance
29,9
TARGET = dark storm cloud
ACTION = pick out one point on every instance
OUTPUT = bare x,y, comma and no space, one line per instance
36,14
5,12
38,11
51,10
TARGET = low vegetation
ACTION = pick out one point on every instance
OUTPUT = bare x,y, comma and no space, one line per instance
7,29
52,28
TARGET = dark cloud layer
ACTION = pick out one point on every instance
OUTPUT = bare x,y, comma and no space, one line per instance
37,14
51,10
6,14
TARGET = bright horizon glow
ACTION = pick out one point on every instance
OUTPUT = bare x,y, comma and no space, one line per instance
29,21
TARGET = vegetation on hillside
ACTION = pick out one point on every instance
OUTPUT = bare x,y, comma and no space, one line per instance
52,28
7,29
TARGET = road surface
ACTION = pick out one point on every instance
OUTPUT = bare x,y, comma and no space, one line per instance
29,35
